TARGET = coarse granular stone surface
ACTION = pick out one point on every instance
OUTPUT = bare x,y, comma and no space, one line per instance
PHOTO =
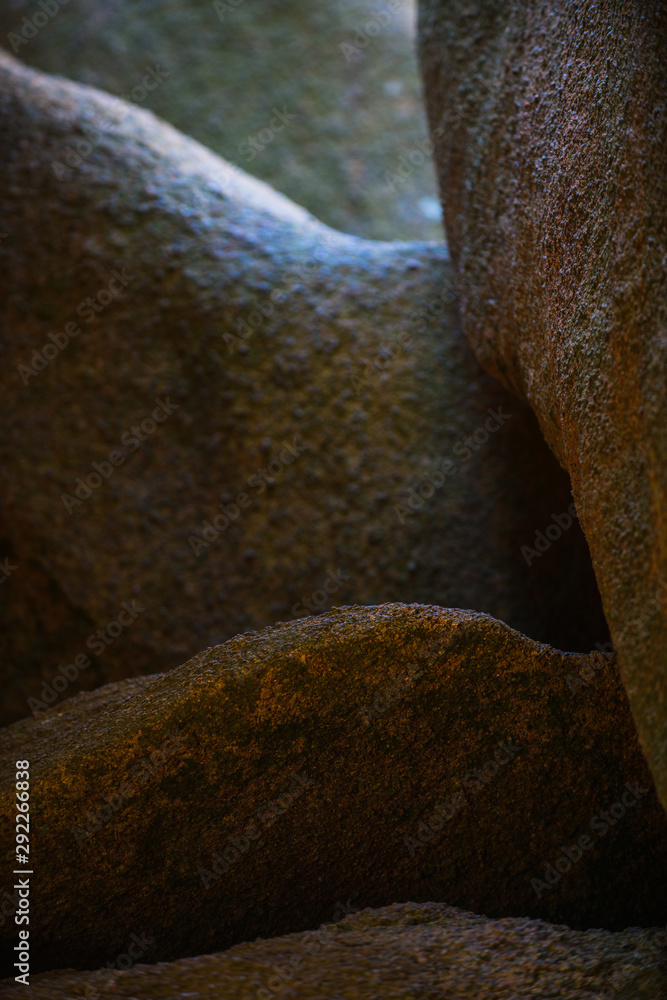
322,101
407,950
552,132
250,419
385,755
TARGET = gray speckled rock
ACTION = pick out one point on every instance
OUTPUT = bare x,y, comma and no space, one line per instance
553,176
280,400
398,952
377,754
352,145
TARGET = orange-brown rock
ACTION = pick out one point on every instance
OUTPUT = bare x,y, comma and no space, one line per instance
389,754
550,121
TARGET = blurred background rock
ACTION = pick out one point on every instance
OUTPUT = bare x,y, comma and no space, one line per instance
356,152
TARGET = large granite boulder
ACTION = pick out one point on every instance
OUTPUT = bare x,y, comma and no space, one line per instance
549,122
389,754
407,950
218,413
352,144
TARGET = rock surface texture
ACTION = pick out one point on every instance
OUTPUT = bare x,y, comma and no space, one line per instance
218,413
322,101
553,177
398,952
384,755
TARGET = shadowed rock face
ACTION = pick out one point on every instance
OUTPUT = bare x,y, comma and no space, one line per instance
377,754
428,950
280,400
554,184
350,138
